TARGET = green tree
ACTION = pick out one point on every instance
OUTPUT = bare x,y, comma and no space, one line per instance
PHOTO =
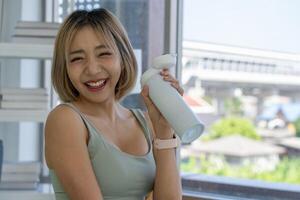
287,171
233,106
297,127
231,126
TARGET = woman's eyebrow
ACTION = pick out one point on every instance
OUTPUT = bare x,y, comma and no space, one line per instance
76,51
101,46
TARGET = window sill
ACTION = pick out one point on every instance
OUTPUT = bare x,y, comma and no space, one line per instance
206,187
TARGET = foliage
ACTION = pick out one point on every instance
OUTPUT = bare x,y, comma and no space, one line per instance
230,126
297,127
287,171
233,106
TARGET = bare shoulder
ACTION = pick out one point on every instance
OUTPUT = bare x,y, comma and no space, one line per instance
62,120
61,112
67,153
63,128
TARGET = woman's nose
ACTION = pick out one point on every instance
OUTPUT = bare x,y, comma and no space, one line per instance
93,67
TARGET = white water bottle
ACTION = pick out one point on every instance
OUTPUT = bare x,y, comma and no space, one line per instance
169,102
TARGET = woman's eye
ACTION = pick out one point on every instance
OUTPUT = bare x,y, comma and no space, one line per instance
104,54
75,59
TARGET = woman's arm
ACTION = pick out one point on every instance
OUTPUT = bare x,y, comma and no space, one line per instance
67,154
167,184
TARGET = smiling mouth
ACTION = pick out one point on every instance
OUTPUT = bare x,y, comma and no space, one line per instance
96,85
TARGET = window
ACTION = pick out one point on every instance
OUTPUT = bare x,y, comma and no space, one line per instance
240,66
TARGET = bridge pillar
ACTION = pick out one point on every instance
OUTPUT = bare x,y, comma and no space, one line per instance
219,96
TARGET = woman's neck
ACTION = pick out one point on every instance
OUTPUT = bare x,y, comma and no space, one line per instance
108,111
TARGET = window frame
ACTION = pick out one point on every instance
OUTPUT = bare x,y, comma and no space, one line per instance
213,187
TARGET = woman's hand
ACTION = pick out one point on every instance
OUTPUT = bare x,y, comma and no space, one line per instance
174,82
161,127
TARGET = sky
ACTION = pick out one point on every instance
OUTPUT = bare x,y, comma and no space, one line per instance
261,24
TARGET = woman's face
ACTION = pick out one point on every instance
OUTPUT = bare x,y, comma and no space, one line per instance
93,67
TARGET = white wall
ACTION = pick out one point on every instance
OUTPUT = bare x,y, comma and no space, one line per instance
30,77
9,75
21,140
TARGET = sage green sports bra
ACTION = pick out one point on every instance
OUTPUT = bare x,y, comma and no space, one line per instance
121,176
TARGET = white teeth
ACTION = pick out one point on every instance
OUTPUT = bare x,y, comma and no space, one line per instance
96,84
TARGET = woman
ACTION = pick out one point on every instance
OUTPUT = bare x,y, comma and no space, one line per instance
96,148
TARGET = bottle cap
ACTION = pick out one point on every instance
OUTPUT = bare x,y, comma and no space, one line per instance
147,75
164,61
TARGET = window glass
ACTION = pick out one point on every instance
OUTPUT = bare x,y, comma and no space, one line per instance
240,72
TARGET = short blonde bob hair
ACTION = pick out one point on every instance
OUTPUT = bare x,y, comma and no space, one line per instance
114,34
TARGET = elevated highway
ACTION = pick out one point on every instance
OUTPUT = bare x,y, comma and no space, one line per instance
224,67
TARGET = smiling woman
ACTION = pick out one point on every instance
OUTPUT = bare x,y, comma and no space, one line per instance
71,48
96,148
93,67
